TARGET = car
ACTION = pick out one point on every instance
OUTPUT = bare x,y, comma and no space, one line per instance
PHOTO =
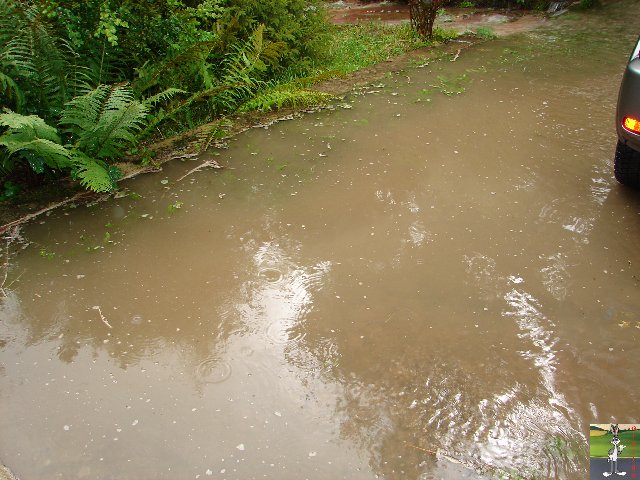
627,156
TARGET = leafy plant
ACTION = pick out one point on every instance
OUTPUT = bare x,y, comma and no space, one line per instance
39,71
28,137
486,33
104,121
10,190
277,96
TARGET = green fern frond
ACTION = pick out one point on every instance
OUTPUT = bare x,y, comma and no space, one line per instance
91,173
10,90
38,152
193,55
118,128
243,68
32,125
32,139
105,121
36,58
291,97
163,96
182,106
82,113
15,48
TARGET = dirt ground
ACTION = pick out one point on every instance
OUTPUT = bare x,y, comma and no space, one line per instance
502,22
351,11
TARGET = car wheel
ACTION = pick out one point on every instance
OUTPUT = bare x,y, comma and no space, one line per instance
627,165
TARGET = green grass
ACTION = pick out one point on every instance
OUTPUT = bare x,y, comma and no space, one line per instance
599,446
353,47
486,33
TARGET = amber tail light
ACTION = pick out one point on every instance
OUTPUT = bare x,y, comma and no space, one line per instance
631,124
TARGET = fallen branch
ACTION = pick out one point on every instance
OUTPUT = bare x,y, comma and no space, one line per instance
53,206
209,163
456,55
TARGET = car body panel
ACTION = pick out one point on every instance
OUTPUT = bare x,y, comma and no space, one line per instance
629,100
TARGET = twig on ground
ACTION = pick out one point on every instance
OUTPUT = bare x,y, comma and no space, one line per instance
13,236
420,448
182,156
456,55
5,270
104,320
53,206
209,163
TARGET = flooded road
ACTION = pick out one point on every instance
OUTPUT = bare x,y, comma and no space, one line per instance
437,280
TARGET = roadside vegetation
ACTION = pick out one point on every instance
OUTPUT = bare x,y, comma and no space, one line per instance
84,83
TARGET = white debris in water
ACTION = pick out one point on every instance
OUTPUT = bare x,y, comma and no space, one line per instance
209,472
134,423
80,276
240,447
66,428
515,279
313,454
277,414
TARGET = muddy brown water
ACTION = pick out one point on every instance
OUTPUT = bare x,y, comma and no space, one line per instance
419,286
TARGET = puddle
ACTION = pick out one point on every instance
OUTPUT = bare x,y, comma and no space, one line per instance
402,289
502,23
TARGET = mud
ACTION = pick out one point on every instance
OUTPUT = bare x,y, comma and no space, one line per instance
501,22
437,279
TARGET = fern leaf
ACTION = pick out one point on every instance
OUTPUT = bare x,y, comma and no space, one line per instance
11,91
163,96
119,128
243,68
105,120
92,174
38,152
31,138
82,113
280,97
33,125
195,54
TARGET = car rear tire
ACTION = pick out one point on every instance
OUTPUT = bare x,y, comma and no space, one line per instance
627,165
